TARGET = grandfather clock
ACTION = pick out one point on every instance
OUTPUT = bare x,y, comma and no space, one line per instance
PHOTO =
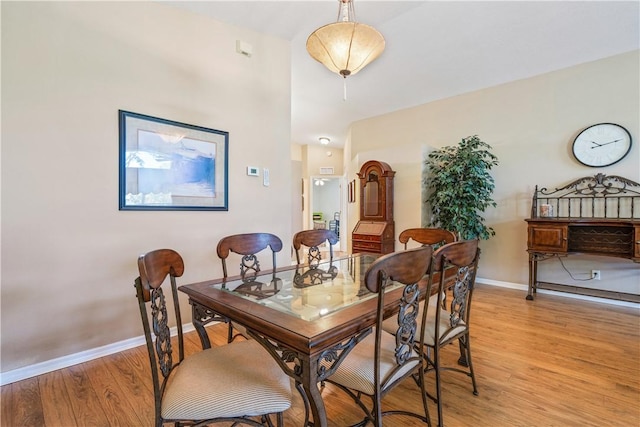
375,230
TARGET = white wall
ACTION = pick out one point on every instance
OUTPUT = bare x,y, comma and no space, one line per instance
531,125
68,254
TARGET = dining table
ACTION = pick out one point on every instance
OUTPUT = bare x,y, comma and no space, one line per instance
308,318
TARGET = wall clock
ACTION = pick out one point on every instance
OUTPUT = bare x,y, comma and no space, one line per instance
602,144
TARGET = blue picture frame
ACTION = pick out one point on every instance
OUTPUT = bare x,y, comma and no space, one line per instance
168,165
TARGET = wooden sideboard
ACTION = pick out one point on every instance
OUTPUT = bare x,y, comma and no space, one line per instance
593,215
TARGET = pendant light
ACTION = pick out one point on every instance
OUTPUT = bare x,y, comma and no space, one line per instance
346,46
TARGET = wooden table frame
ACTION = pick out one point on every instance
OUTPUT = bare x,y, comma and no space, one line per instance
308,351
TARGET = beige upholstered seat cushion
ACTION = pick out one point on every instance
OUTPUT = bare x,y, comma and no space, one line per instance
429,337
240,329
356,371
232,380
390,325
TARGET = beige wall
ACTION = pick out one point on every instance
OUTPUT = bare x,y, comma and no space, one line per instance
531,125
317,156
68,253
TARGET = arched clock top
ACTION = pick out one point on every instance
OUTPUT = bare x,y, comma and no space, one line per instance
381,168
376,191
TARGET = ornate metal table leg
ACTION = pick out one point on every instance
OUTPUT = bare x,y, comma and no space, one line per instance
305,400
314,397
202,316
309,371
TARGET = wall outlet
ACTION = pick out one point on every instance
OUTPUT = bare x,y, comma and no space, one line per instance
595,274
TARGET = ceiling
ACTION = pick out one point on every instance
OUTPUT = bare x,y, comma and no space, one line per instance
434,49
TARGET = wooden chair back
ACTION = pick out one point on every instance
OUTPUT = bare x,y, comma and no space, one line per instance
460,260
312,239
406,268
427,236
248,245
154,267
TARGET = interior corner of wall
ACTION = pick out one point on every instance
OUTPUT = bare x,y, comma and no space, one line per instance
426,150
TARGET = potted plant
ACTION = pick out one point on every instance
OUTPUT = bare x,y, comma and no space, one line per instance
459,187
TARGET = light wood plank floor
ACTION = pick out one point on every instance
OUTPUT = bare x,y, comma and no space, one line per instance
550,362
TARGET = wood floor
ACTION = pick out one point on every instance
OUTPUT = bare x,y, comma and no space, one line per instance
550,362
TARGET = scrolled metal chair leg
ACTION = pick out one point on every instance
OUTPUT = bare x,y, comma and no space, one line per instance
305,400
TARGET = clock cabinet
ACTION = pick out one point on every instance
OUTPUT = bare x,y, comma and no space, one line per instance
375,232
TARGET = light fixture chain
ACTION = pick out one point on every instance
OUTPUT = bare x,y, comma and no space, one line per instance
344,89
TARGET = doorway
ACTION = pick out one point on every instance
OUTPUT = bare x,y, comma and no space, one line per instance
326,205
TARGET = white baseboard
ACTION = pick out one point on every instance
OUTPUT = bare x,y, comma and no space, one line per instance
525,288
84,356
501,284
74,359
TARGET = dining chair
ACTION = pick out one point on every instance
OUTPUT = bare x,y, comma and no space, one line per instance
312,239
427,236
450,321
248,245
382,361
219,384
435,237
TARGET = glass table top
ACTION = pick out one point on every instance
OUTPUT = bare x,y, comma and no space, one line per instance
309,293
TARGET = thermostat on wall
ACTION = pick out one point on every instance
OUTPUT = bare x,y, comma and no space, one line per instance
253,171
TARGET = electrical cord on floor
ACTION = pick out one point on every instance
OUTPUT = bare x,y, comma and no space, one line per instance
571,275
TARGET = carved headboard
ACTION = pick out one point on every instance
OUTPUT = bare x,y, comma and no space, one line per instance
599,196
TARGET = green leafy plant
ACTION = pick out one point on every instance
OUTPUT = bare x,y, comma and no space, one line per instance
459,187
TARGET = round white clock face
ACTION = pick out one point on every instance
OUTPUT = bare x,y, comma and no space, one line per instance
602,145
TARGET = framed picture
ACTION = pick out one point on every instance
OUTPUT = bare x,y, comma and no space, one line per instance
352,191
167,165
